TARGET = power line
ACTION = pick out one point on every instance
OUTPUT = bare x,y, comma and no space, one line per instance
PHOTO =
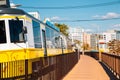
85,20
76,7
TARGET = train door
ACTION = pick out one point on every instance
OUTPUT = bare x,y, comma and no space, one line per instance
44,42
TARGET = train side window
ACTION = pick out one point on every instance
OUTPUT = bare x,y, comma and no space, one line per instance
37,34
16,31
2,32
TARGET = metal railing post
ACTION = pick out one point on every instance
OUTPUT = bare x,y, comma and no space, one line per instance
26,69
0,71
100,56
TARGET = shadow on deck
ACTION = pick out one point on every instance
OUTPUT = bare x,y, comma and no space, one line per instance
110,74
89,69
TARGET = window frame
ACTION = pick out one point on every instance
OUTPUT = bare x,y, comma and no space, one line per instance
23,23
35,25
50,38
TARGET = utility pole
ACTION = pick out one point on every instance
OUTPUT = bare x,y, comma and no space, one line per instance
83,51
97,42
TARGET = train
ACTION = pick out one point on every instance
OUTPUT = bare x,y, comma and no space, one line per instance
23,37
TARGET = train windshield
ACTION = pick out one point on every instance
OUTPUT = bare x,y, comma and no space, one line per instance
16,31
2,32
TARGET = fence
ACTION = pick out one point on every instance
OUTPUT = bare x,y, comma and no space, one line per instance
110,60
44,68
93,54
113,62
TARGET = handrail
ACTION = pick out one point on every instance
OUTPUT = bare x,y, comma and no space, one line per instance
36,68
113,62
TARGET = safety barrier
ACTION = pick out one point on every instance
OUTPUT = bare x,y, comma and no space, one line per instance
43,68
113,62
110,60
93,54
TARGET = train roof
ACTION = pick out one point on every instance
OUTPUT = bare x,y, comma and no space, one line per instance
11,11
52,26
15,11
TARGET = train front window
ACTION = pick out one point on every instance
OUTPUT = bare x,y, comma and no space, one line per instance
16,30
2,32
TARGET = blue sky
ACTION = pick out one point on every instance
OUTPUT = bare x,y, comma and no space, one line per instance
102,12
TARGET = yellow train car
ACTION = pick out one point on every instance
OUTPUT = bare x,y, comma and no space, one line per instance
23,37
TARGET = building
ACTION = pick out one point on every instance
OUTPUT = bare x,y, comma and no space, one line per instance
117,35
87,38
94,41
111,35
76,34
80,35
106,37
35,14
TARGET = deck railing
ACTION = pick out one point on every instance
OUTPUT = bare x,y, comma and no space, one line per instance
43,68
110,60
113,63
93,54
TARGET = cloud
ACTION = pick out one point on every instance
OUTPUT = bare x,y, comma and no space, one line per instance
55,18
116,25
111,15
108,15
96,16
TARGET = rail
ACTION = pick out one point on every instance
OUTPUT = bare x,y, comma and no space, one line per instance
113,63
93,54
110,60
43,68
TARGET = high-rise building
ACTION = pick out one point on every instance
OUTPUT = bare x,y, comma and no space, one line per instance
82,36
76,34
94,41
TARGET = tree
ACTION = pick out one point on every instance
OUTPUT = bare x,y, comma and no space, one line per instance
114,46
86,46
63,28
77,42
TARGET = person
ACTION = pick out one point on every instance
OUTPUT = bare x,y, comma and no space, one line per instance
75,49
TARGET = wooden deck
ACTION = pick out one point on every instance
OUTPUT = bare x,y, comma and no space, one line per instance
87,69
